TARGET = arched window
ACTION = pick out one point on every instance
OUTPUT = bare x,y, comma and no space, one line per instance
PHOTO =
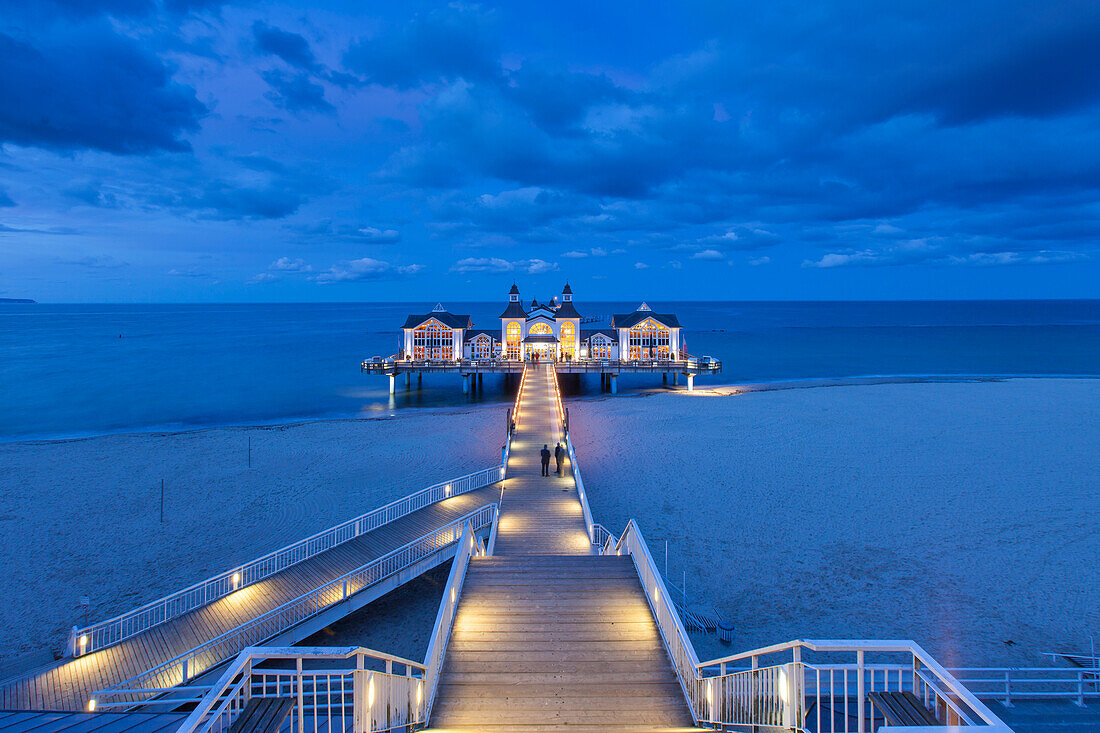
541,328
433,340
649,340
512,340
568,340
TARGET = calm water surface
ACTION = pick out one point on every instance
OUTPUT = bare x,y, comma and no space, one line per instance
85,369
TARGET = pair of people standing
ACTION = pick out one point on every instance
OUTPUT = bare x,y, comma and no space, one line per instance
559,456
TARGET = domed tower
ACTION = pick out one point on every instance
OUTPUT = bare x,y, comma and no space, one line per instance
569,325
511,325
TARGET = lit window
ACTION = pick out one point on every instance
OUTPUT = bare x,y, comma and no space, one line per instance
433,340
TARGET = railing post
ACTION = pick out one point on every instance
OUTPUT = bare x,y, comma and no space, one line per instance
1008,690
1080,689
246,682
860,702
301,699
184,681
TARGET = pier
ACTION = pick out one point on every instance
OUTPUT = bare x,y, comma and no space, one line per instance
475,369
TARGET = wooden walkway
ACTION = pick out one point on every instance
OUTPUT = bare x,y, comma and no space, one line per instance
70,683
549,636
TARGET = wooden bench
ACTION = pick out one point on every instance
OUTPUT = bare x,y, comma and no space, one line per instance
262,715
902,708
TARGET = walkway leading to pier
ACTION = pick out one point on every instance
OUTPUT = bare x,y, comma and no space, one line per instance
70,683
539,515
549,636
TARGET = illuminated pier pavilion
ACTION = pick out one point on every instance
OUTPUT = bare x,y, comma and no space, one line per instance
640,342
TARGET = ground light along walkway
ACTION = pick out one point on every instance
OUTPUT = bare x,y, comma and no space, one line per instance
548,635
69,684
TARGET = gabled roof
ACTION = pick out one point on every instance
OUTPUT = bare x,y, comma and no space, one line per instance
566,310
492,333
450,320
514,310
589,333
543,311
630,320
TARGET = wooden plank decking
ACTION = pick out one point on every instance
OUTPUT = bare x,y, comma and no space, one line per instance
547,635
69,683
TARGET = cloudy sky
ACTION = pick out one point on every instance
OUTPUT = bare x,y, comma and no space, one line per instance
194,150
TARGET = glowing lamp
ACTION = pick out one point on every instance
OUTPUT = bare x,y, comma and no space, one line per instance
91,705
370,692
447,491
236,579
656,594
419,691
783,686
452,595
83,640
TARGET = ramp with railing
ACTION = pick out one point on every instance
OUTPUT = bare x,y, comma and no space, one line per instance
170,640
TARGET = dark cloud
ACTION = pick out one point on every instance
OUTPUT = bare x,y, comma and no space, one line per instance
290,47
105,92
456,42
296,92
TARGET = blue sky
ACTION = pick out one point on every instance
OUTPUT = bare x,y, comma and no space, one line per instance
194,150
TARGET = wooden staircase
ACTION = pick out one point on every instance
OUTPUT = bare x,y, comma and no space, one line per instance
555,642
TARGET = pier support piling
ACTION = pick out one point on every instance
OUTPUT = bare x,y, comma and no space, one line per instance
419,379
691,382
408,379
393,383
614,384
465,384
675,379
664,378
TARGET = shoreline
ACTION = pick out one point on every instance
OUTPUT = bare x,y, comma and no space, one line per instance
396,412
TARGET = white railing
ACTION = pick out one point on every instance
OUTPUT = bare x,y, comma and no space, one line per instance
444,618
112,631
1008,684
598,535
800,693
676,641
513,419
187,666
324,694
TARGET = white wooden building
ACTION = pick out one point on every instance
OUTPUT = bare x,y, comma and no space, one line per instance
549,331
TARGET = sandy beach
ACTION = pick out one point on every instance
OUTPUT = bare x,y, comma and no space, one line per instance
82,517
961,515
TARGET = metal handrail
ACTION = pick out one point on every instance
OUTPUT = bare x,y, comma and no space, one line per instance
244,679
781,694
1038,683
119,628
444,618
186,666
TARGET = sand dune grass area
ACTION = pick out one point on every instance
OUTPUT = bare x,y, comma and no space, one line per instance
962,515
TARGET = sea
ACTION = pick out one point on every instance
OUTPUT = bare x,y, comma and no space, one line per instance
78,370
